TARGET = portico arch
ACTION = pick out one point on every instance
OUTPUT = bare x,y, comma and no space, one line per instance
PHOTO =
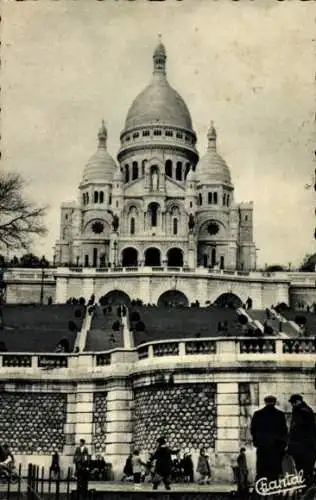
152,257
228,300
129,257
115,297
173,298
175,257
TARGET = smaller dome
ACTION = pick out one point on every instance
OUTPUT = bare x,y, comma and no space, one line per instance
101,166
160,50
191,176
212,168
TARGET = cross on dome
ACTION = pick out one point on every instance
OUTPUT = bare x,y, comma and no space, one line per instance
160,58
102,135
211,135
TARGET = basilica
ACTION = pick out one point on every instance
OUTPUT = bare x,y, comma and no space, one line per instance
159,204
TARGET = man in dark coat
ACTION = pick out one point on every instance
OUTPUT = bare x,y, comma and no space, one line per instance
302,440
269,433
163,466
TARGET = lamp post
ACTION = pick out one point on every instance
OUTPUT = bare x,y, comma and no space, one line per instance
43,262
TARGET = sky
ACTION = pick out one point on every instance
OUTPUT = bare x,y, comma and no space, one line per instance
249,66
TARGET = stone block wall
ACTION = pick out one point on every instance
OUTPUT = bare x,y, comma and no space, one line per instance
33,423
99,422
185,414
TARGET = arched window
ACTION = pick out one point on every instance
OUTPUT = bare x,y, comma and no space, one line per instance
135,170
95,257
86,260
126,173
215,198
191,204
200,199
153,214
87,198
210,198
96,196
101,196
179,171
175,226
132,228
84,198
143,166
168,168
187,168
227,200
224,199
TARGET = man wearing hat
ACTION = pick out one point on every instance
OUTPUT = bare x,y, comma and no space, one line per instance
163,466
269,433
302,439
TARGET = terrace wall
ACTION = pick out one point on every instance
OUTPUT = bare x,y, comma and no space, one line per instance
112,397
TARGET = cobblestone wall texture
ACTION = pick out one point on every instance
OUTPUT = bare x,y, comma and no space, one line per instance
99,421
184,414
33,423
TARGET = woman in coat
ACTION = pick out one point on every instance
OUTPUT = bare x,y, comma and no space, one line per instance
203,468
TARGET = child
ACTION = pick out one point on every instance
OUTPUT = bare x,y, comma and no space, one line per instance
242,475
203,468
137,465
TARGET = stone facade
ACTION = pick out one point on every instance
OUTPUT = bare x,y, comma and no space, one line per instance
202,399
159,204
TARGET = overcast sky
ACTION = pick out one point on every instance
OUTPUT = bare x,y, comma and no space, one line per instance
249,66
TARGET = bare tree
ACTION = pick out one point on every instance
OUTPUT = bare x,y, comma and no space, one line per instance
20,219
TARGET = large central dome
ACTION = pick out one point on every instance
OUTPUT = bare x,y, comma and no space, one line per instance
159,103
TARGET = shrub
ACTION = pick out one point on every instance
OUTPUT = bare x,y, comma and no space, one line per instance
82,301
72,326
78,313
135,316
140,326
300,320
116,326
243,320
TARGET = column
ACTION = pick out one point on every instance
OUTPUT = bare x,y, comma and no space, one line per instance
83,418
119,424
61,290
227,444
70,431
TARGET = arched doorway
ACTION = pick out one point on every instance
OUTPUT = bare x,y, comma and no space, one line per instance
175,257
129,257
115,297
228,301
173,298
152,257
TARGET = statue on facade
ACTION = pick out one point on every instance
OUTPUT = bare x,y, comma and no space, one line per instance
191,223
154,180
115,223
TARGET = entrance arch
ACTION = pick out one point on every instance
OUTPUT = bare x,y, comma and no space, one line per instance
115,297
228,301
173,298
129,257
152,257
175,257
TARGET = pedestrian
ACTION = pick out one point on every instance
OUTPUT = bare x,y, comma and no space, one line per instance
163,464
128,468
302,439
81,455
137,466
54,469
242,475
203,468
187,467
269,433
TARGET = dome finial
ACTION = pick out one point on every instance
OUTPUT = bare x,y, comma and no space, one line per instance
160,58
211,136
102,135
